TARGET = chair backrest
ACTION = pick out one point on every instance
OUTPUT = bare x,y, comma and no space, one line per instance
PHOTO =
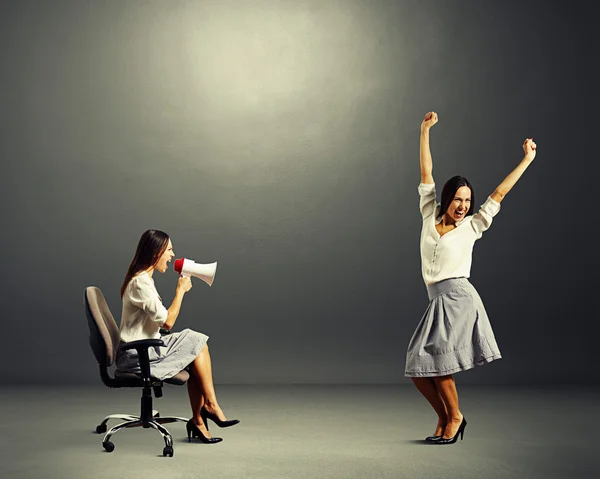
104,333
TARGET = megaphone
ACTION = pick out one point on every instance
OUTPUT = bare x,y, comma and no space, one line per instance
188,267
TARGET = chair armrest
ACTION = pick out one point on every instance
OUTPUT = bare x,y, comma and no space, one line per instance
142,346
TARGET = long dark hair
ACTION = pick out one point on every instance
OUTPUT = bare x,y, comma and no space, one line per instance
150,248
449,191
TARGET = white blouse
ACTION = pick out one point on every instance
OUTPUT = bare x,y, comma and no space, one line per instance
449,256
143,313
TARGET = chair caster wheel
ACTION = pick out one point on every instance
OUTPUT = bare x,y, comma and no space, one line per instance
168,451
101,429
108,446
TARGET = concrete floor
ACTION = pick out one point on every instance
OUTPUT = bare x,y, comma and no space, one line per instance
305,432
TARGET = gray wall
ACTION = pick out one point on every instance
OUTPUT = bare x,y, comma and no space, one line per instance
280,138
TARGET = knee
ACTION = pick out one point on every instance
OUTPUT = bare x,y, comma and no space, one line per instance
203,351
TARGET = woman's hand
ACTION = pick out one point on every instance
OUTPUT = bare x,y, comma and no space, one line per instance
529,147
430,119
184,283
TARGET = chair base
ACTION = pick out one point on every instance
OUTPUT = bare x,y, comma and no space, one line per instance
135,421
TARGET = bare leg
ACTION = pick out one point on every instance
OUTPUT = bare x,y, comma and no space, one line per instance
202,369
196,402
428,389
447,389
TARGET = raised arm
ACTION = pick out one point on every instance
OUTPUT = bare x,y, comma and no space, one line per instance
529,147
184,284
425,153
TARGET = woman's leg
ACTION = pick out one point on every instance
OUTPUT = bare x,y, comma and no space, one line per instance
447,389
427,388
196,402
202,369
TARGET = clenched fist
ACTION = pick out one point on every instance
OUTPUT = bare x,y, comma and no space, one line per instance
430,119
184,283
529,147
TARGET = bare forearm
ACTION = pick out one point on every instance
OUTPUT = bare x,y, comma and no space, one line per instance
173,310
425,156
510,181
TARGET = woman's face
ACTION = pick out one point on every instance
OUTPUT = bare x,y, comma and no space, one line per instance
165,259
460,204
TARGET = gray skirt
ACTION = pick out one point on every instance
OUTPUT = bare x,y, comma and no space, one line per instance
454,334
166,361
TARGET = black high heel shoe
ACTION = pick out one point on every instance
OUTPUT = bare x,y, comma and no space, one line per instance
435,438
193,431
452,440
208,415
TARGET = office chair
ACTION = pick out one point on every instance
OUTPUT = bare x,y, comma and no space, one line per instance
105,340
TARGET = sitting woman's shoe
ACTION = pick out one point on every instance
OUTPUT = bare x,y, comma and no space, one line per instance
208,415
193,431
435,438
452,440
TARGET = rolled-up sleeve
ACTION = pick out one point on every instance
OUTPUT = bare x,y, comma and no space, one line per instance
145,297
427,202
482,220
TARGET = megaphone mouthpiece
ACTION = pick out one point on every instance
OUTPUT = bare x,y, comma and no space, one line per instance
178,265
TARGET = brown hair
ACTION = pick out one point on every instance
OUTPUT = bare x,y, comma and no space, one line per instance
449,190
150,248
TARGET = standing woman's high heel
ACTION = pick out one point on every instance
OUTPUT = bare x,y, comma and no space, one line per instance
452,440
193,431
208,415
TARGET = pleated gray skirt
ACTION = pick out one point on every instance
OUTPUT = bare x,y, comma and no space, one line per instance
454,334
166,361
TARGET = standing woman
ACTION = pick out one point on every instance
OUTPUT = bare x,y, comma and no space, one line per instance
142,317
455,333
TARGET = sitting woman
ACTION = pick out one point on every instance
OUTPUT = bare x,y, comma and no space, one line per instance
142,317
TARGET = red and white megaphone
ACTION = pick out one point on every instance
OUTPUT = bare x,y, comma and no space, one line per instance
187,267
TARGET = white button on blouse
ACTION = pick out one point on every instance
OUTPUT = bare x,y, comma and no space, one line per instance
449,256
